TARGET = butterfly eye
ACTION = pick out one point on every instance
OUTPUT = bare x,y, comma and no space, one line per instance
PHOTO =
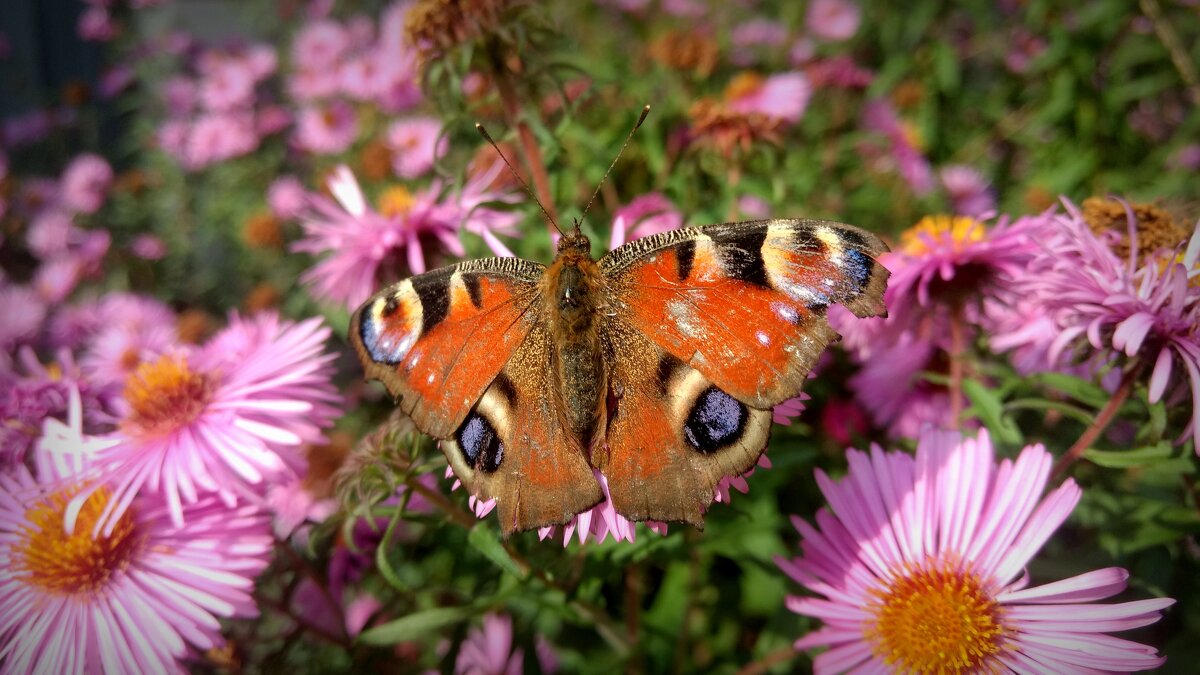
716,420
480,444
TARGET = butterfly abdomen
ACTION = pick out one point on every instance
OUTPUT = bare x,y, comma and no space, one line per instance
573,296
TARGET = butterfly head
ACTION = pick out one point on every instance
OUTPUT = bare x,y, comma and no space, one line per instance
575,244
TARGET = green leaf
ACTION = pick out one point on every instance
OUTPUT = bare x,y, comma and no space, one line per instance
1123,459
1077,388
990,409
415,625
484,539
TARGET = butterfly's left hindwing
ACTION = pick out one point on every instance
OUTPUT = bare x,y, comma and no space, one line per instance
438,339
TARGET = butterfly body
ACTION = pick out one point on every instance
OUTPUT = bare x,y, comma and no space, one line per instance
656,366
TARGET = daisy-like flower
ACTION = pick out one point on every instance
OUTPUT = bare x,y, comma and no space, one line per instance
832,20
1145,307
228,418
918,566
85,183
327,130
139,598
782,96
416,144
364,244
286,197
489,650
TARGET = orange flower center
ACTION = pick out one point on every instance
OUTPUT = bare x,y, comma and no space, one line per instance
396,201
743,84
76,563
939,619
164,395
958,230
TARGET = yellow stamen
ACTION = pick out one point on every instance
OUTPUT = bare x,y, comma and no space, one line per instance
163,396
69,564
959,230
936,619
396,201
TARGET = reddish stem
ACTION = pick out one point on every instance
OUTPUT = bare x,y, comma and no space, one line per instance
1098,425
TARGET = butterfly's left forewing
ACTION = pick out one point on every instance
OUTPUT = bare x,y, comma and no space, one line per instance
708,329
437,340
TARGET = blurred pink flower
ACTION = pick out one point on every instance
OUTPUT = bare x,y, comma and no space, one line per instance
416,144
23,311
750,38
216,137
51,233
879,116
643,216
489,650
293,506
115,80
287,197
1186,158
838,71
140,598
1023,48
690,9
327,129
320,45
968,190
783,96
753,206
919,564
96,24
179,95
148,247
228,85
228,418
832,20
597,523
85,183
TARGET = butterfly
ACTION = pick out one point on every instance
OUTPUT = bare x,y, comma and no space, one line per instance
657,365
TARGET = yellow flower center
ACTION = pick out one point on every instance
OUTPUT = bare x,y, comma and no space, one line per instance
164,395
396,201
76,563
743,84
958,230
938,619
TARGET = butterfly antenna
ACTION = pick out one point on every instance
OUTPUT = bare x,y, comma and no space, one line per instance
488,137
641,118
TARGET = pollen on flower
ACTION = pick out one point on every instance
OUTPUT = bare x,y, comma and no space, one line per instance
958,230
396,201
76,563
164,395
936,619
1155,228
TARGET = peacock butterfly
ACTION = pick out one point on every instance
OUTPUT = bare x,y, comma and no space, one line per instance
657,365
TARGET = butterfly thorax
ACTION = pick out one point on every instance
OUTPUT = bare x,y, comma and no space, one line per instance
572,298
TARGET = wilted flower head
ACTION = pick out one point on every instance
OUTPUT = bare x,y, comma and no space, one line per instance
918,565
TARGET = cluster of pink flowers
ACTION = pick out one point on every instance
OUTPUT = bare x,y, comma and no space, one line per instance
338,65
219,112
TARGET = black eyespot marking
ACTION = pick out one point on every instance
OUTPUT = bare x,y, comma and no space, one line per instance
854,239
434,293
858,267
716,420
685,256
480,444
471,281
741,254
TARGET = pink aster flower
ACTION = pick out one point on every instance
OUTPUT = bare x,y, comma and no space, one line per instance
51,233
968,190
838,71
319,45
294,506
643,216
227,85
140,598
832,20
879,116
96,24
783,96
1148,310
23,311
416,144
216,137
148,247
228,418
85,183
179,94
489,650
328,129
753,37
287,197
918,565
